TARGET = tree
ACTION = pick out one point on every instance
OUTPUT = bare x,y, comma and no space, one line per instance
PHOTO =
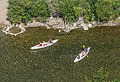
116,6
85,10
116,80
69,10
93,8
66,9
27,10
104,10
54,7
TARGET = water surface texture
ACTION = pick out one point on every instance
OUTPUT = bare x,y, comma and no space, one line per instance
55,63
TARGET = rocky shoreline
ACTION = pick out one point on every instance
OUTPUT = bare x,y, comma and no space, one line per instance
58,23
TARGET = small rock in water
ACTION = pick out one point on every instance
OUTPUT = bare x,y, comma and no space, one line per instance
59,30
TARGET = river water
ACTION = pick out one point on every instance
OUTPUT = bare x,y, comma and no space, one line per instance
55,63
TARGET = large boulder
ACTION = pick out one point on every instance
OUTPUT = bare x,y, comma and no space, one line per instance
55,22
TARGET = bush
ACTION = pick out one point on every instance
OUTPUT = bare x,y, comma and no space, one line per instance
66,9
39,10
104,10
116,80
27,10
116,6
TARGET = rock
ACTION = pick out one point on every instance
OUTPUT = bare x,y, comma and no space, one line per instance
90,25
118,18
47,26
94,23
74,24
59,31
66,28
84,26
35,24
16,25
6,29
80,20
55,22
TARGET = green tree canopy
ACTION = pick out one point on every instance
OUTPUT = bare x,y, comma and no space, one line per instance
27,10
104,10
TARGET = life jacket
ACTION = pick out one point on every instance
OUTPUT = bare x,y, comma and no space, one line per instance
40,44
44,44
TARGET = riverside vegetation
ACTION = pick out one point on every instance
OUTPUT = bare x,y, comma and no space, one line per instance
69,10
67,14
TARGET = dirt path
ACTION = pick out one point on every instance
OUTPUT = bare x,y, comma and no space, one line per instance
3,10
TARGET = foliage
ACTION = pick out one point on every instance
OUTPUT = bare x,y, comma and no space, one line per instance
116,80
27,10
104,10
93,8
85,10
116,6
66,9
53,5
69,10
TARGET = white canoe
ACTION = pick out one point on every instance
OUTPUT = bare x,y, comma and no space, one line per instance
82,55
44,44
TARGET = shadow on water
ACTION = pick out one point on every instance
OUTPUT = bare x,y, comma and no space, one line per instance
55,63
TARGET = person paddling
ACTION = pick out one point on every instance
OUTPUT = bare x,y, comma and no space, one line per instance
85,49
50,41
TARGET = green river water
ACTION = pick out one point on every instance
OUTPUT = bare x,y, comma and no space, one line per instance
55,63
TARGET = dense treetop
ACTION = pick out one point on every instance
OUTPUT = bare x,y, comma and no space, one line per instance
69,10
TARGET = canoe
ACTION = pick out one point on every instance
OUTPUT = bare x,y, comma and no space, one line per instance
82,55
44,44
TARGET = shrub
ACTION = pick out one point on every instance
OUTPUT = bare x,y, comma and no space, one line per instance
27,10
104,10
39,10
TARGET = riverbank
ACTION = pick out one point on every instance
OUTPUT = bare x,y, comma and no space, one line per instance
57,23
